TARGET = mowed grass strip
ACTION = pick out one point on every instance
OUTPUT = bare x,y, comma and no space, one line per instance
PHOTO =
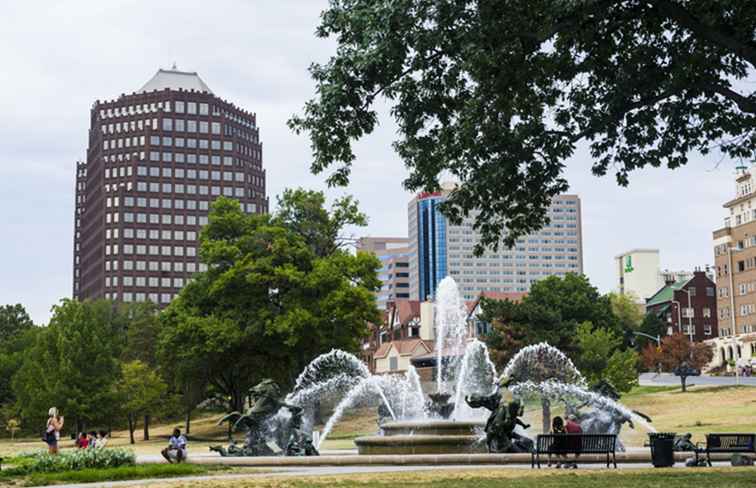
646,478
122,473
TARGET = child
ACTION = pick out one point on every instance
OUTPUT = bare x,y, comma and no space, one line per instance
82,442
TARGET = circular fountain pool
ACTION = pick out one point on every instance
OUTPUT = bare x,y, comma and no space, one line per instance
425,437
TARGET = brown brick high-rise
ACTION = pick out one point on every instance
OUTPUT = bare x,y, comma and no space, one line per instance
156,160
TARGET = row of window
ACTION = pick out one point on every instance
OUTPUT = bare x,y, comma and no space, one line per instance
151,250
142,265
127,297
190,174
204,190
143,281
154,218
188,158
151,234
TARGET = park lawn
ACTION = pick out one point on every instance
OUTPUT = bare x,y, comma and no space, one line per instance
701,410
509,478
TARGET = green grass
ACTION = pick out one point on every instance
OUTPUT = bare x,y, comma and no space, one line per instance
647,390
509,478
122,473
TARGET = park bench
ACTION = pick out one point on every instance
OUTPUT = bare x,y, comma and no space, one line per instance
558,444
727,443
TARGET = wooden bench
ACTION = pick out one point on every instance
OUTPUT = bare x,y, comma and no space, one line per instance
558,444
727,443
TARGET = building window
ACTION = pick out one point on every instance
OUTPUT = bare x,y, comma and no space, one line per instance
393,363
710,291
707,329
688,312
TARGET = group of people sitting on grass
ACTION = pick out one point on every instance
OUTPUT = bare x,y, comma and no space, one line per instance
92,440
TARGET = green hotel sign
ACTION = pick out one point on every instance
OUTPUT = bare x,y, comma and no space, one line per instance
628,264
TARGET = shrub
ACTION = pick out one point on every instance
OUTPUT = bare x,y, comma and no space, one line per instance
42,462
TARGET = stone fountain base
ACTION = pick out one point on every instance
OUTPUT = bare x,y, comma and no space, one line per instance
425,437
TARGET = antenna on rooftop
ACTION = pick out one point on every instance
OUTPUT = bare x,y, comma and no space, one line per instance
174,67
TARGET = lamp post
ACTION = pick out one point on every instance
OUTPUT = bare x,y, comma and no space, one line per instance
679,318
690,317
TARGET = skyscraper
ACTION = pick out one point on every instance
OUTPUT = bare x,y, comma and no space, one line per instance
394,254
156,160
440,249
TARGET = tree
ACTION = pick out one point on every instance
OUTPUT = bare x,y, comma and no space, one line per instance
17,333
677,354
626,310
73,363
268,304
140,391
551,312
653,326
601,357
499,93
14,321
304,212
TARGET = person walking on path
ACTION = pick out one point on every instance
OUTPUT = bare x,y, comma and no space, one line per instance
52,430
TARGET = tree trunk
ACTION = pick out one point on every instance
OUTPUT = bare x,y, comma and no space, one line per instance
79,427
131,428
188,420
683,379
546,407
146,427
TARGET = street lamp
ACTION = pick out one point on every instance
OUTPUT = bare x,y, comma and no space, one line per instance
690,318
656,338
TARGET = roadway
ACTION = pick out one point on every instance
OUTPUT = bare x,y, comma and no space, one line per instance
668,379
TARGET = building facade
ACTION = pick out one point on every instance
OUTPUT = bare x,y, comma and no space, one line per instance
156,160
394,255
688,306
639,274
735,265
440,249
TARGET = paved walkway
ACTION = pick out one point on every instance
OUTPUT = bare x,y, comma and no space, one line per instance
668,379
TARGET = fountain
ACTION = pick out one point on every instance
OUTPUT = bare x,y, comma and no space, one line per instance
471,410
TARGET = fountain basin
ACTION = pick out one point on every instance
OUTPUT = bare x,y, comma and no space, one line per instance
425,437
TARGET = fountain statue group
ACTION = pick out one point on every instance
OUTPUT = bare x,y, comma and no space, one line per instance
258,424
466,385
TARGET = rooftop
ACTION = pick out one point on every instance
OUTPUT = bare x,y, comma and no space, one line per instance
174,79
667,293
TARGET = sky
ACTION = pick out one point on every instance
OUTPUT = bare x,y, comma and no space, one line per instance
59,57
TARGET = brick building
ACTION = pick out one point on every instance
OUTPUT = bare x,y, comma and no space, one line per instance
688,306
156,160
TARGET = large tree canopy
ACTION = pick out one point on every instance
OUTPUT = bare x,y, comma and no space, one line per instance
498,93
269,303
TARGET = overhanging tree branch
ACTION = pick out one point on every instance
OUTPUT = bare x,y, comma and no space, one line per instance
743,49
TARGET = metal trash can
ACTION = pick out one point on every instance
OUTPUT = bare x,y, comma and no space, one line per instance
662,449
